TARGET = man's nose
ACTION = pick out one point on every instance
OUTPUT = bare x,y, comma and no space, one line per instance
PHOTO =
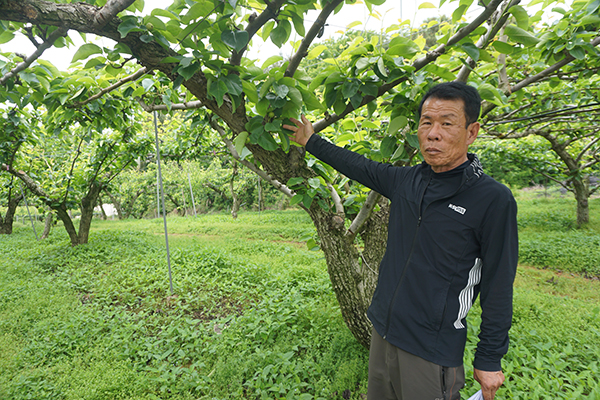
434,133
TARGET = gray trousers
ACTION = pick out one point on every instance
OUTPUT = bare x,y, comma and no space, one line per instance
395,374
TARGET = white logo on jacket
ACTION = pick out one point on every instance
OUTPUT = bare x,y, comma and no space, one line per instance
458,209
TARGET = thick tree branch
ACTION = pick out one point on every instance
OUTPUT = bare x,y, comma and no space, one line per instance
271,12
317,26
109,11
499,18
37,54
337,201
363,214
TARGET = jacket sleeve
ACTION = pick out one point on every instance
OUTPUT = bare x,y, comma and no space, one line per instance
499,249
380,177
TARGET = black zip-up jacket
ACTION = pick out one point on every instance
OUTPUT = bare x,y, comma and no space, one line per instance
439,258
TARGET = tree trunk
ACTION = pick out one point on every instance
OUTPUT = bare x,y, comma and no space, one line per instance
116,203
87,211
48,224
353,280
6,223
582,194
101,205
235,207
63,215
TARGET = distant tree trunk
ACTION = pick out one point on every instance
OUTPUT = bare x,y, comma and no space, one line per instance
582,194
101,205
174,201
235,207
48,224
87,211
6,223
116,203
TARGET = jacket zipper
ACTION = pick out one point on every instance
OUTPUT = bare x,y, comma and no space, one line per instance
389,316
412,247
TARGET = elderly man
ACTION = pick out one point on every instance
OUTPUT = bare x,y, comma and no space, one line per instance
452,236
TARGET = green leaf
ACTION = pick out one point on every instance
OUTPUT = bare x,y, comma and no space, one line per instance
298,22
200,9
519,35
147,84
250,90
295,96
520,15
397,123
270,61
316,52
153,22
307,200
296,199
590,20
85,51
294,181
426,5
458,13
129,23
471,50
403,47
490,93
240,141
503,47
6,37
280,90
399,154
217,89
235,39
350,88
413,140
233,83
578,52
281,33
388,145
314,182
189,71
266,141
311,101
369,89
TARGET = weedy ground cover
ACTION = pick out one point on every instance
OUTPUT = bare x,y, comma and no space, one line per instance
252,316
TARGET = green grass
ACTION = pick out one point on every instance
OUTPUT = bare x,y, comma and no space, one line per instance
253,315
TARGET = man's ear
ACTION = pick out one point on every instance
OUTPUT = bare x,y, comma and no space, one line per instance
472,132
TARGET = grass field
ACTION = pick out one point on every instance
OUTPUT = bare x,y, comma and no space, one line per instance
253,316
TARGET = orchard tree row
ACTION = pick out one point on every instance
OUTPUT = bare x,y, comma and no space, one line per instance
535,65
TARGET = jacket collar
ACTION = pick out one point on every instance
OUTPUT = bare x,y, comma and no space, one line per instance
474,169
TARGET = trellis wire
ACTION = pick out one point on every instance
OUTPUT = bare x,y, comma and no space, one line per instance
162,198
192,192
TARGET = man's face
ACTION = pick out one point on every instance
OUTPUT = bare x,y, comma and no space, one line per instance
443,138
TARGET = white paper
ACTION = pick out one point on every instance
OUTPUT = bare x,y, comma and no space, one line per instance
477,396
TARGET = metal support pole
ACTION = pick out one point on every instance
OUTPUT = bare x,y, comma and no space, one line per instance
28,213
192,193
162,198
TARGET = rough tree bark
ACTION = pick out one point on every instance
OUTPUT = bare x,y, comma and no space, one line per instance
48,224
6,223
